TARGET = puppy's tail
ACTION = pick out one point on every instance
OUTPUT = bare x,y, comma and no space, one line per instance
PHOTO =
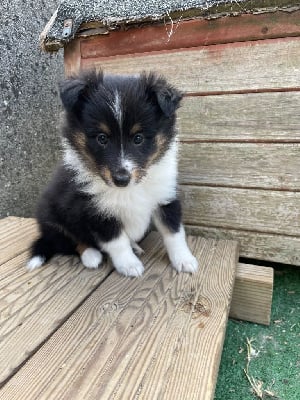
47,246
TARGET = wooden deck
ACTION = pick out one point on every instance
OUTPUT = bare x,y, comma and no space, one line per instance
72,333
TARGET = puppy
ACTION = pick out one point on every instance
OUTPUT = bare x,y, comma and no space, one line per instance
118,174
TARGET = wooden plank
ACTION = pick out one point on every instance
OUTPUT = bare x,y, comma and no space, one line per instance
192,33
256,245
247,165
247,66
42,299
252,294
265,211
72,58
254,117
17,238
129,335
9,223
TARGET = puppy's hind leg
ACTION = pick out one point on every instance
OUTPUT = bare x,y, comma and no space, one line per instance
167,220
51,242
89,256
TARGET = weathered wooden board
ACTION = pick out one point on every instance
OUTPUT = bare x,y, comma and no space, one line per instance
247,66
257,245
131,335
192,33
33,305
16,237
252,293
263,211
248,165
254,117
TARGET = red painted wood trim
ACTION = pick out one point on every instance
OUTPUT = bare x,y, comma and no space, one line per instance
193,33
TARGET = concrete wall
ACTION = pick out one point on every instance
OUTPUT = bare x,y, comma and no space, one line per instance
29,105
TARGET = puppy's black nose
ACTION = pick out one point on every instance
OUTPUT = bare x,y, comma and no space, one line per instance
121,177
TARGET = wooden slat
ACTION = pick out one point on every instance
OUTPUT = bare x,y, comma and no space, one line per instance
9,223
16,238
192,33
130,335
252,294
72,58
257,245
34,305
263,211
247,66
241,117
255,165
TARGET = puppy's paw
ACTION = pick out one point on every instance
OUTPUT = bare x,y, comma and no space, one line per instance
184,261
91,258
136,248
129,266
35,262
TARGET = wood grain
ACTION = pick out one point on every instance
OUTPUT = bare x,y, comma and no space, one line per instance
265,117
192,33
252,294
263,211
16,238
248,165
72,58
243,66
127,337
42,299
256,245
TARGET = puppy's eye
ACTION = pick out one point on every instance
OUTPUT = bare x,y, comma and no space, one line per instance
102,139
138,138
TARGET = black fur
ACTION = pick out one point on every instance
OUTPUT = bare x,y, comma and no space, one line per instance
66,214
170,215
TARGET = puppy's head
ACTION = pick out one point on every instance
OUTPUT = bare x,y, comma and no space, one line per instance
119,125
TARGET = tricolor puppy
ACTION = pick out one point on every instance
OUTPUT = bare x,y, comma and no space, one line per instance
119,173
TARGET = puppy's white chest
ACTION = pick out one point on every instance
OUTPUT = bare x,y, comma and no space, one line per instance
136,220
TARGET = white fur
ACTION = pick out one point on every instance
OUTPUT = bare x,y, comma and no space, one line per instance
35,262
123,258
128,164
91,258
179,254
116,108
135,203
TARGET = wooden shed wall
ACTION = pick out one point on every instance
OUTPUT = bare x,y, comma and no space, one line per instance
239,124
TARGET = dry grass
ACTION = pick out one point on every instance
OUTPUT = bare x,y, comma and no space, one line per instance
256,384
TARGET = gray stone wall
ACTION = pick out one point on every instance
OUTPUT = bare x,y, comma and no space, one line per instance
29,105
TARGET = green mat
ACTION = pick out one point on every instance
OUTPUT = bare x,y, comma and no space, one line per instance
275,350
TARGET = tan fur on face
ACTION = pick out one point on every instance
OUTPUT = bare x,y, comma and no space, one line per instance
106,176
79,141
161,143
135,129
104,128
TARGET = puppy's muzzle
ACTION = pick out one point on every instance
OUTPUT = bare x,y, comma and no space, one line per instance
121,177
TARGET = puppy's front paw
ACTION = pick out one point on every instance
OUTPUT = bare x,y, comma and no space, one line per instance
129,266
91,258
184,261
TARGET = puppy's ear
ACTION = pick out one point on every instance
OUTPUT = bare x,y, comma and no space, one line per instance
76,89
167,97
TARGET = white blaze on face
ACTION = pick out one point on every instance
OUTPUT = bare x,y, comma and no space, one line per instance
116,108
127,164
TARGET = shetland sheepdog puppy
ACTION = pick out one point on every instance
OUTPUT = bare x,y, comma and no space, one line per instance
118,174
